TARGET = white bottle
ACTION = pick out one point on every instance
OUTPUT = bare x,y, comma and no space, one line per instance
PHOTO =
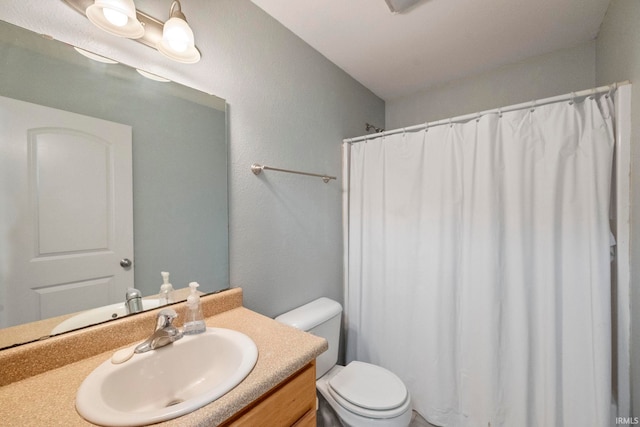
166,290
193,318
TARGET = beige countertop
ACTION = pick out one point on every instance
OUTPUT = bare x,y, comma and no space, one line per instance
49,398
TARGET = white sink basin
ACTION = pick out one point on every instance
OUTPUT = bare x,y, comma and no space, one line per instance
168,382
100,314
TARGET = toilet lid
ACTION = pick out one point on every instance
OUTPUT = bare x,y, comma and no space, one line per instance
369,386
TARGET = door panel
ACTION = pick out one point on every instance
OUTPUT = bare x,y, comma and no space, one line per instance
71,297
71,214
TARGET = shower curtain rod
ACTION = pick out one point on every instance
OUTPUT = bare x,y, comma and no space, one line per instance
531,104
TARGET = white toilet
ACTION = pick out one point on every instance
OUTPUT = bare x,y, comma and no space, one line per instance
360,393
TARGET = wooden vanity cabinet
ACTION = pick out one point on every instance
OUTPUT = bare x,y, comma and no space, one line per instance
290,403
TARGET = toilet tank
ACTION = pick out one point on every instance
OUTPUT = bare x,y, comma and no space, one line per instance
321,318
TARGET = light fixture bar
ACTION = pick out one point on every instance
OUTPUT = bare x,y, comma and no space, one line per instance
152,26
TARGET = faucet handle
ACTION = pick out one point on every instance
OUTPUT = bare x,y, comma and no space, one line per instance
165,318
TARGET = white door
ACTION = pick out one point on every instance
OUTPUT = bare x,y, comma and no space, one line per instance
66,212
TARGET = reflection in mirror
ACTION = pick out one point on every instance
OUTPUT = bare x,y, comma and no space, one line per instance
90,153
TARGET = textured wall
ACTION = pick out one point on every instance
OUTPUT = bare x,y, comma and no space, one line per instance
289,108
556,73
618,59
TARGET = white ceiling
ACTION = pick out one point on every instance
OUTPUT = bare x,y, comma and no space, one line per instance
436,40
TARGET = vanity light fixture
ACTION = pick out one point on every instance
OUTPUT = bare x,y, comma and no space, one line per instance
173,38
177,38
117,17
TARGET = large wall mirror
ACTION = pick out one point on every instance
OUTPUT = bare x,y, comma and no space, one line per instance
58,185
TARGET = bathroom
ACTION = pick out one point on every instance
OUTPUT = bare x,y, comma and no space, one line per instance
290,107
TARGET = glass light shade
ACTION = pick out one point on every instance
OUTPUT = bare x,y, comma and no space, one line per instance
177,42
117,17
94,56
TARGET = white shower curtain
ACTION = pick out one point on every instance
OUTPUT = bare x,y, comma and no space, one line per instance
478,265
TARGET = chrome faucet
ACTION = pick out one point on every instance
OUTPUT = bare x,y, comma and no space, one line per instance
133,301
164,334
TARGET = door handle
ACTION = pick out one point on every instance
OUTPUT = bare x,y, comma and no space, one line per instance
125,263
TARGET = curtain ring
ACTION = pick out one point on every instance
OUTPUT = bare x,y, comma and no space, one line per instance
426,127
572,100
593,94
477,117
533,106
500,112
450,124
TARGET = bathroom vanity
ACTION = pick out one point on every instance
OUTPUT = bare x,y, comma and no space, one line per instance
39,381
292,402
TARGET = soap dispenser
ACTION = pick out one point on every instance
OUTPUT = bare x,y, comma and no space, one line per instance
166,290
193,318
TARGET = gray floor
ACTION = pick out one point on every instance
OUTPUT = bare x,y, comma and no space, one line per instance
328,418
418,421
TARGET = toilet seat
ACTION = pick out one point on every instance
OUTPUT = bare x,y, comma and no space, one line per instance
369,390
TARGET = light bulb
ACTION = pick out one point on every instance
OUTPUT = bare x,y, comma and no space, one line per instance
115,17
176,35
178,45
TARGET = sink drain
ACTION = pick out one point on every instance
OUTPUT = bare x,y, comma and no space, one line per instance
174,402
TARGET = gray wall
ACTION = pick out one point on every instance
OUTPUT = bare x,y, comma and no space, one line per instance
289,107
562,71
618,59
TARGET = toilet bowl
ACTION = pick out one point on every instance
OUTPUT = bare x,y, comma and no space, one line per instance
363,402
361,394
